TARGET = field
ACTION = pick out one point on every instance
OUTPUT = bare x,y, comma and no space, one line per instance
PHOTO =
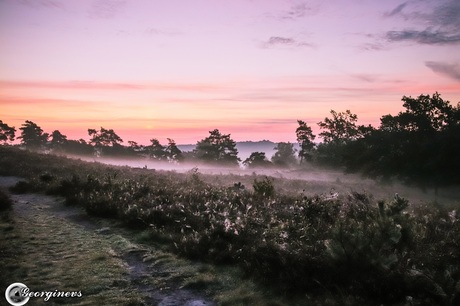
305,236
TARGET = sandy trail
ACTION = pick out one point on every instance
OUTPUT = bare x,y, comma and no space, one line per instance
142,272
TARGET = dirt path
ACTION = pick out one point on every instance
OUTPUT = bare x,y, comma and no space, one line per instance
61,247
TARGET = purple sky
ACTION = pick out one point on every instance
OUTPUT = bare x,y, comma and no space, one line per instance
177,69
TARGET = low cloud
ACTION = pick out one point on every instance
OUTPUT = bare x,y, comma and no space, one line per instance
279,41
37,4
441,23
424,37
296,11
106,9
396,11
450,70
364,77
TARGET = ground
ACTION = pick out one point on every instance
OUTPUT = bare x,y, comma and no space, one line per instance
49,246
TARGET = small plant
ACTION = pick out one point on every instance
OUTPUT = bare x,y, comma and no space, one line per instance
264,188
21,187
5,201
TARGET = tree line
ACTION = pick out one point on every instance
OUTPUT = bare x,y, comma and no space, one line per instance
419,145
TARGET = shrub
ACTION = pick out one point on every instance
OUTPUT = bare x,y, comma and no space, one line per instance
264,188
5,201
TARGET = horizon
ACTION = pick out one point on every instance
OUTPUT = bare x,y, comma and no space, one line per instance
248,68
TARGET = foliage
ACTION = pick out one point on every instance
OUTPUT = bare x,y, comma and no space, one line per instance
5,201
173,152
284,155
420,145
58,140
380,251
217,147
155,150
7,133
32,135
264,188
305,138
104,137
257,160
340,128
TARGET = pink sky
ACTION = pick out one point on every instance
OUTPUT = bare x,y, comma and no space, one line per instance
251,68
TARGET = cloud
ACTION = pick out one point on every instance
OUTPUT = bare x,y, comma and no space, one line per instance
396,11
441,24
296,11
372,47
85,85
450,70
95,85
37,4
105,9
364,77
427,37
447,15
279,41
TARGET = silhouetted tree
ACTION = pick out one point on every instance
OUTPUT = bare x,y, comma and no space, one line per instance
80,147
7,133
104,138
340,128
32,135
135,148
284,155
58,140
305,139
338,133
257,159
173,152
420,145
156,150
217,147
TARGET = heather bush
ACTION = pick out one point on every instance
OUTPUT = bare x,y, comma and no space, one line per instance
5,201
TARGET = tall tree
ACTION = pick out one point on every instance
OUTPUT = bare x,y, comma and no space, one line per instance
7,133
156,150
135,148
217,147
32,135
305,138
340,128
104,137
284,155
257,159
58,140
173,152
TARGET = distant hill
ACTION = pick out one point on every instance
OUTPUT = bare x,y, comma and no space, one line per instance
245,148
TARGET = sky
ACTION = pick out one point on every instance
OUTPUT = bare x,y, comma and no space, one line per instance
250,68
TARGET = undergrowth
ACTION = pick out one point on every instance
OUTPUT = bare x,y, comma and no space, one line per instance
351,245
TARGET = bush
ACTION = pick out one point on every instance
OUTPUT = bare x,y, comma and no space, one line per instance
264,188
5,201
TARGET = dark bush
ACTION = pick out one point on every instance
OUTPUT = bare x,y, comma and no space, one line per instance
5,201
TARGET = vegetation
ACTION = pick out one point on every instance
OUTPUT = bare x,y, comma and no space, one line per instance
305,138
284,155
345,246
217,148
7,133
257,160
418,146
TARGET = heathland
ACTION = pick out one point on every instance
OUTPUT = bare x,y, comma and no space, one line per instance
304,241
